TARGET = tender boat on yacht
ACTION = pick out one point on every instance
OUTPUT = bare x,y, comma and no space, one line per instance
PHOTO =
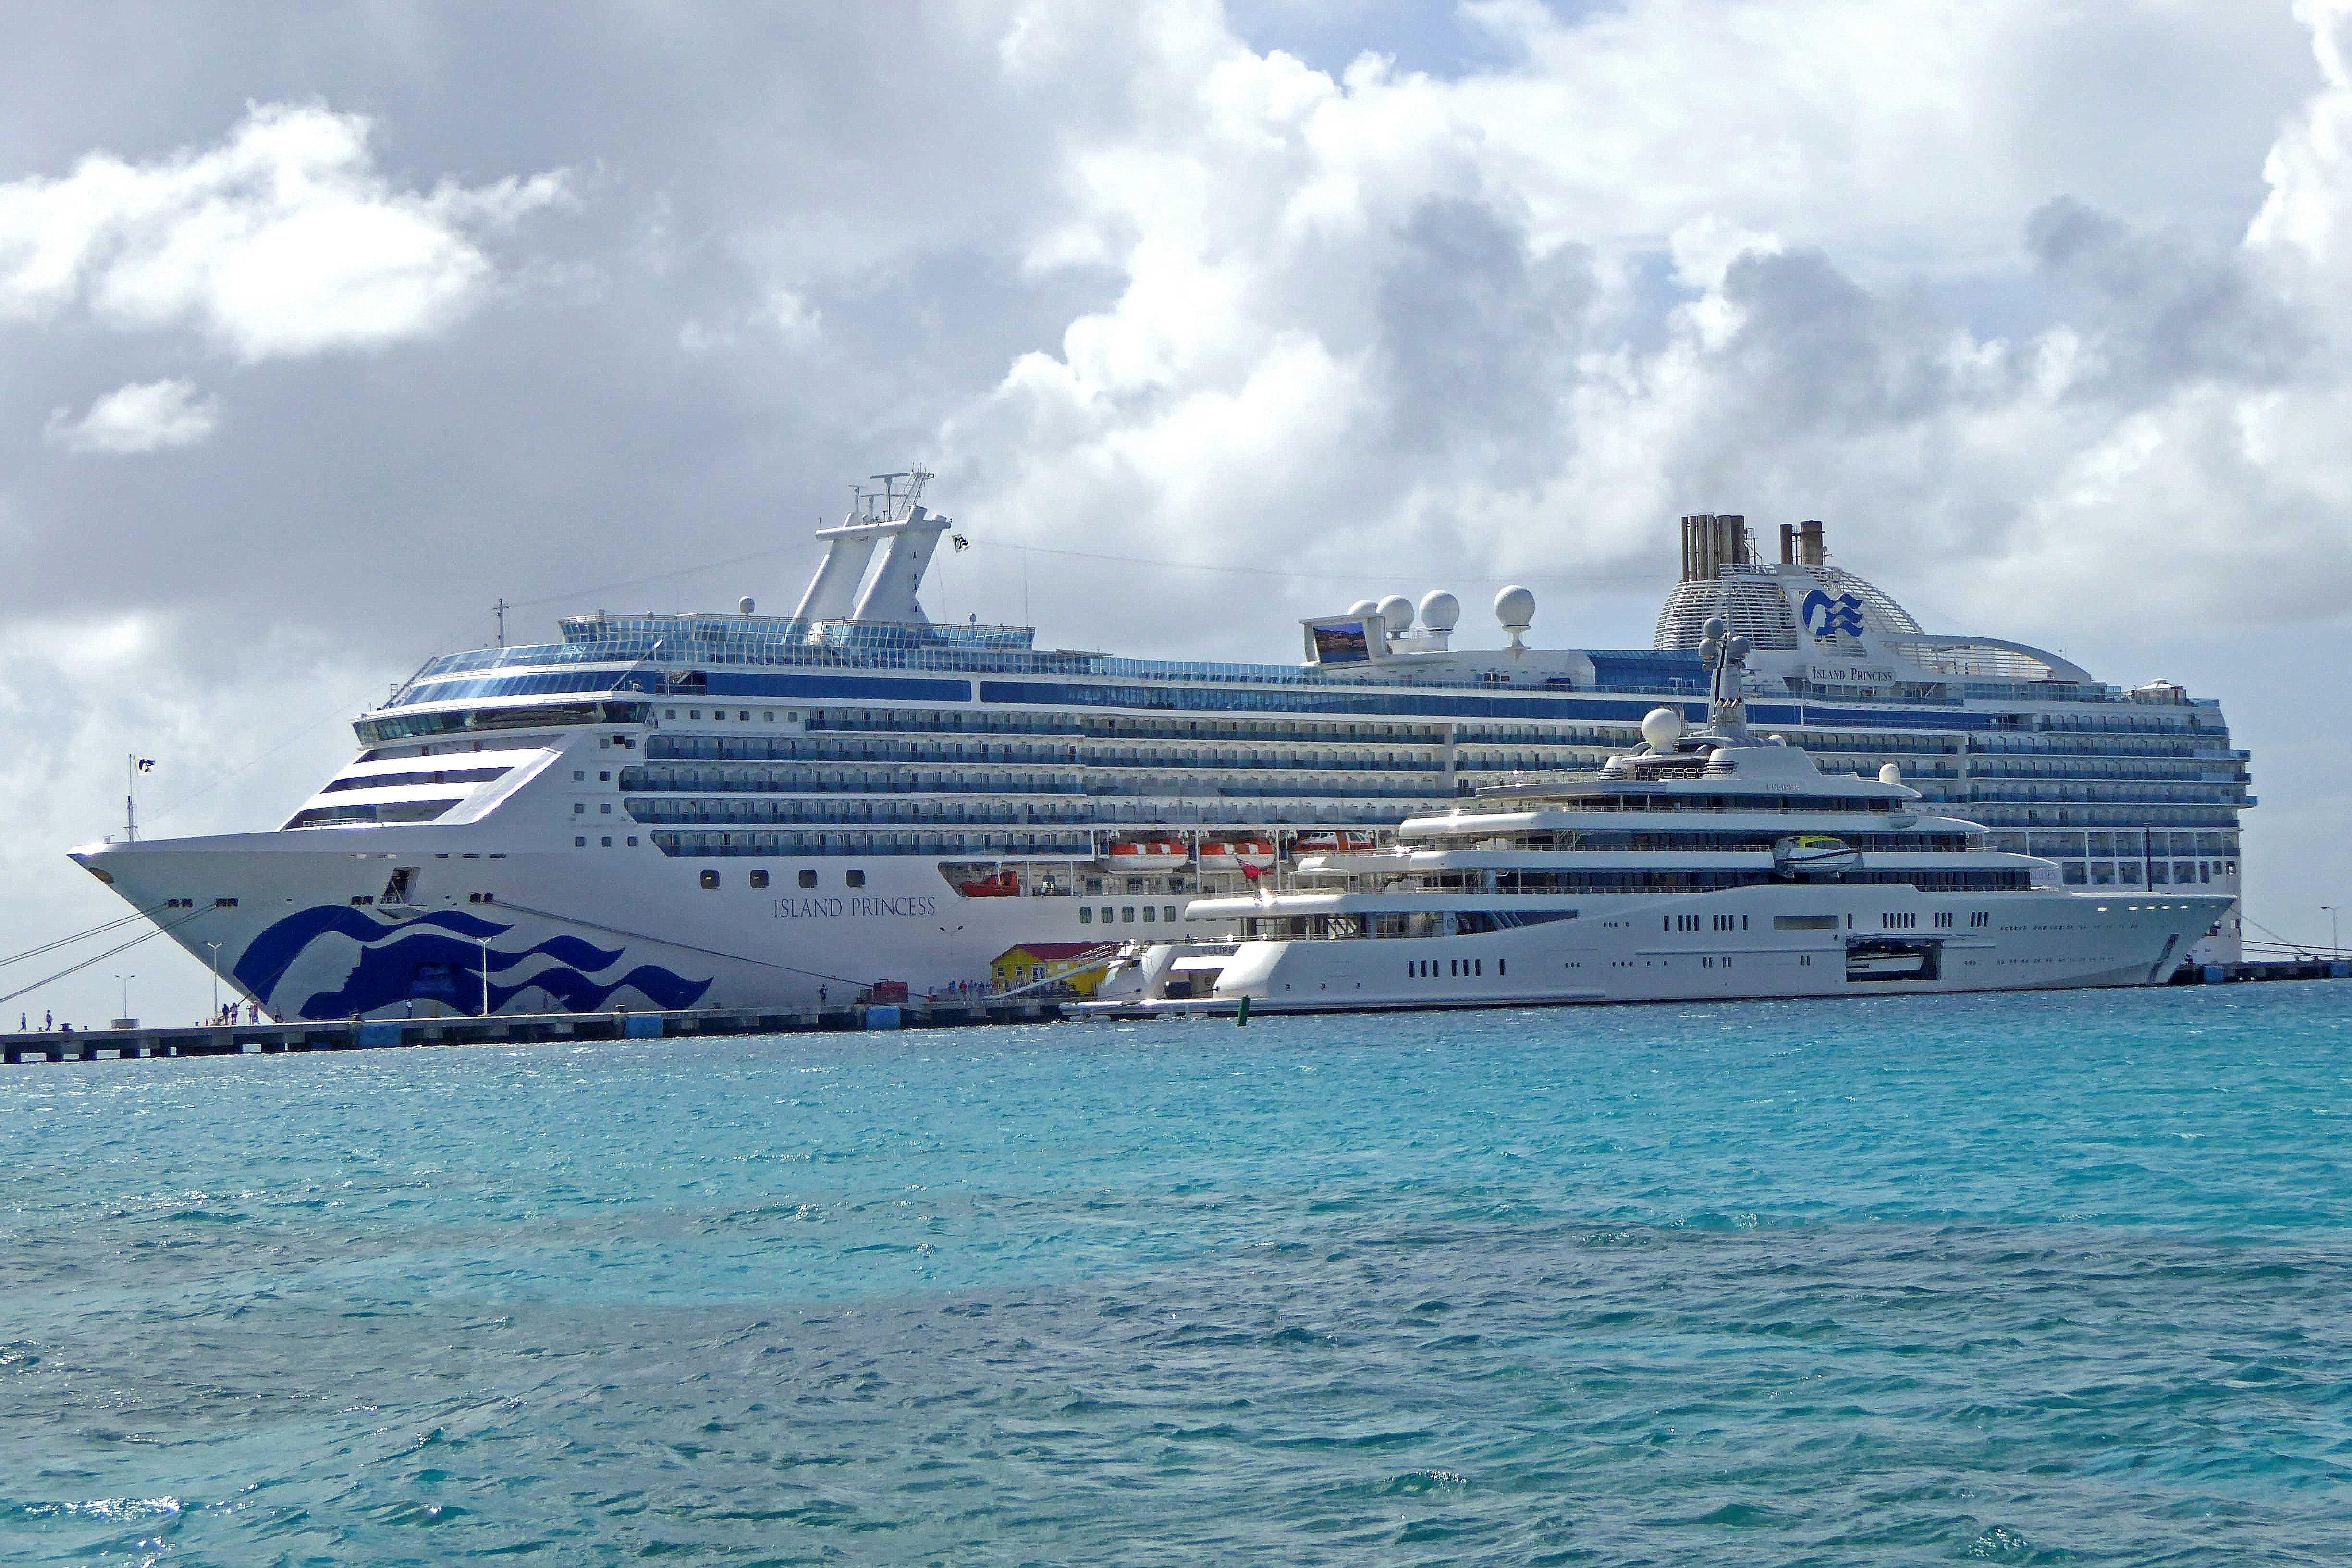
1717,863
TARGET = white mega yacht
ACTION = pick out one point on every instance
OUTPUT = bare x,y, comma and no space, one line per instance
1713,864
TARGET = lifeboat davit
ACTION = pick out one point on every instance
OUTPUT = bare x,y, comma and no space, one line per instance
1346,842
1004,884
1221,855
1146,855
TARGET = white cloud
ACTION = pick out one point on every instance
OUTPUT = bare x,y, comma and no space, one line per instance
283,241
1685,255
146,417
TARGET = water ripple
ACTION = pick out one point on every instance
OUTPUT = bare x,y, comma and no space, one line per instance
2013,1279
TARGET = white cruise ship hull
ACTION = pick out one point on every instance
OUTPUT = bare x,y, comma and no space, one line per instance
572,930
1752,943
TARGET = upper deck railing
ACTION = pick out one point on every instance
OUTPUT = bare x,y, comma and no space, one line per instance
680,642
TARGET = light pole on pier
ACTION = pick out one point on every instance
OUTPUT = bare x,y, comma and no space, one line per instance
485,974
2335,948
216,947
126,979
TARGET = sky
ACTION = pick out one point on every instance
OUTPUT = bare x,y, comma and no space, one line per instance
323,329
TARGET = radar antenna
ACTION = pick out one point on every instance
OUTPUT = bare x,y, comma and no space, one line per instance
1725,656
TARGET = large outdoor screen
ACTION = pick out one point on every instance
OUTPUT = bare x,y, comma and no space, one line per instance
1341,642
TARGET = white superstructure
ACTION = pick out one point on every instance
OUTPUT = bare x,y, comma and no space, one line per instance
738,809
1716,865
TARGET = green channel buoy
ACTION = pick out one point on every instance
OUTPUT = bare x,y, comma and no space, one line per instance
1241,1015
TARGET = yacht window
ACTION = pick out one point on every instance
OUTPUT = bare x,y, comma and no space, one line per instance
1085,915
1148,914
1127,914
759,879
1106,914
1169,913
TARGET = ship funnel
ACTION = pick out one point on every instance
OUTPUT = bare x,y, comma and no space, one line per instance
1810,549
1711,542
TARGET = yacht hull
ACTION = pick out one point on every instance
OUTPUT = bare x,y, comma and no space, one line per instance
1630,950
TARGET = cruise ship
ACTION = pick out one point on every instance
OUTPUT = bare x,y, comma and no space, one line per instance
733,809
1712,865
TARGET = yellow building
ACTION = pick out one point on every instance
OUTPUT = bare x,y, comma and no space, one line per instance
1027,965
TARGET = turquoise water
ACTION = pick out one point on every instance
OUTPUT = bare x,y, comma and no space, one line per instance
2061,1279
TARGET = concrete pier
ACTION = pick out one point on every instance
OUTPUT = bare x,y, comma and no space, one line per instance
506,1028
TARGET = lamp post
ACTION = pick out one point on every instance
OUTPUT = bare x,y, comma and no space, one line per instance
2335,948
485,974
216,947
126,979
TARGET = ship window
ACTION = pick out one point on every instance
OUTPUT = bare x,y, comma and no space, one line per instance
608,841
1148,914
1127,914
767,717
603,775
808,878
1106,914
744,715
669,712
579,844
577,775
578,808
710,878
1502,967
759,879
1085,915
633,843
605,809
1169,913
853,878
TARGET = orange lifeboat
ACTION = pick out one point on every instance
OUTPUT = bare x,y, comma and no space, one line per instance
1142,855
1005,884
1346,842
1218,854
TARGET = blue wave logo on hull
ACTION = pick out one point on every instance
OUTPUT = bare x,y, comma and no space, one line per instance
439,957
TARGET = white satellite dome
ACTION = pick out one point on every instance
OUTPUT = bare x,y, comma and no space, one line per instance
1397,611
1516,607
1440,611
1364,608
744,603
1662,727
1888,772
